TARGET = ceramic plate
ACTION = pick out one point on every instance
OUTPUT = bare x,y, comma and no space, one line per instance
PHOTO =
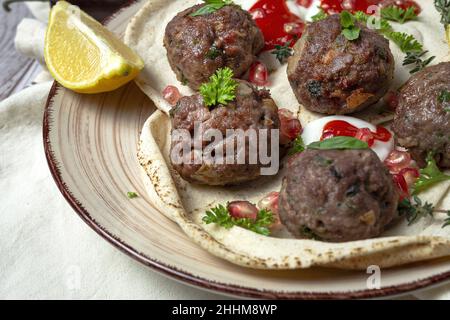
91,145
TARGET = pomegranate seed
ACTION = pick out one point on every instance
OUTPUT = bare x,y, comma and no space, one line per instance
242,209
402,186
410,175
293,28
258,74
171,94
397,160
290,126
364,134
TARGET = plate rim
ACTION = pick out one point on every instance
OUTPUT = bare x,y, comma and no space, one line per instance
182,275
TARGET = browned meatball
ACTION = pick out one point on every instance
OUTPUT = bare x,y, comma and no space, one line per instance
337,195
422,117
332,75
252,109
198,46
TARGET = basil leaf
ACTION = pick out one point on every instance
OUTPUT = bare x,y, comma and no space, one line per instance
207,9
339,143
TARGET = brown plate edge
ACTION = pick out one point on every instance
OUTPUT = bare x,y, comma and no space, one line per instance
191,279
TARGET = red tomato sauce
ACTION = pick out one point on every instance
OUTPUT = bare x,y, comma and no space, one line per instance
278,24
337,128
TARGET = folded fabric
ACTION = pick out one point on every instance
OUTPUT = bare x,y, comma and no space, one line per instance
47,251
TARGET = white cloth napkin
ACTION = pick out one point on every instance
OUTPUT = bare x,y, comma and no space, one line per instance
46,250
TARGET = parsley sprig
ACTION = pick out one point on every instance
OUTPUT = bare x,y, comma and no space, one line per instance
211,6
429,176
397,14
282,52
220,216
349,29
321,15
220,89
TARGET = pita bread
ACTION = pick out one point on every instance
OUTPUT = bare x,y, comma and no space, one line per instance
186,203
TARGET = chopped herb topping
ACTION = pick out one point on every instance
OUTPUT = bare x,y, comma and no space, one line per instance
444,96
349,29
211,6
220,89
398,14
297,146
213,53
282,52
321,15
429,176
220,216
339,143
308,233
132,195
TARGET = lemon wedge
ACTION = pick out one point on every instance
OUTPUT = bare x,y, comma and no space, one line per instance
84,56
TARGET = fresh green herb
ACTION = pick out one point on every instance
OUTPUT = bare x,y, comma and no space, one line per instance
220,216
414,210
406,42
211,6
429,176
132,195
282,52
339,143
213,53
308,233
444,96
321,15
220,89
297,147
381,25
349,29
446,220
415,58
398,14
443,7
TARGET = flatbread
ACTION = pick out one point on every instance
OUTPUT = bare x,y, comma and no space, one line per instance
186,203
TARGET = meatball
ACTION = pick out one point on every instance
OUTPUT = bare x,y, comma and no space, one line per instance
337,195
197,46
422,116
252,109
332,75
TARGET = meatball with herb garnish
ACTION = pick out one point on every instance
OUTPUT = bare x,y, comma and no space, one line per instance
198,42
238,105
331,74
422,116
337,195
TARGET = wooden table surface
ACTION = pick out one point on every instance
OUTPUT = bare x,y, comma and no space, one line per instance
17,71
